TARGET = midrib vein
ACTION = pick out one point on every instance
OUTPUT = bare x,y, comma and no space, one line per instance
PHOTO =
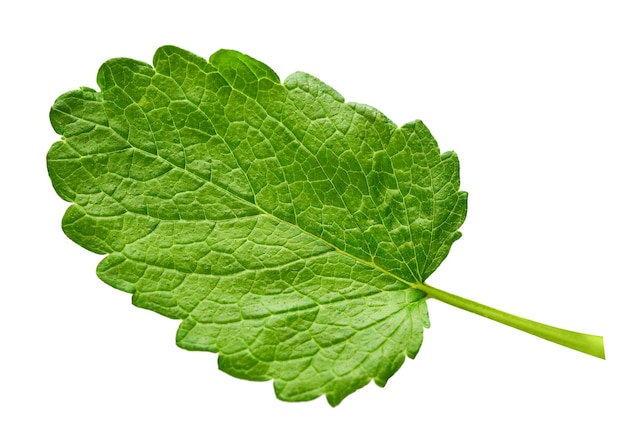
278,219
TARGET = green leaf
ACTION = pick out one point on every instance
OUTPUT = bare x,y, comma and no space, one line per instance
290,231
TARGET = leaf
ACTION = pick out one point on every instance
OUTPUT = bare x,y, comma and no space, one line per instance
291,232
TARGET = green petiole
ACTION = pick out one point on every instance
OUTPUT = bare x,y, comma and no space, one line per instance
588,344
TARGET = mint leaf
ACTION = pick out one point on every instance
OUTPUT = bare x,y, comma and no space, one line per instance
291,232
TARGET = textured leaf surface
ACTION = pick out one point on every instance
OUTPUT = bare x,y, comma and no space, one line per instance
283,226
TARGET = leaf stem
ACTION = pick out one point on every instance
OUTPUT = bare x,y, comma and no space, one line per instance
588,344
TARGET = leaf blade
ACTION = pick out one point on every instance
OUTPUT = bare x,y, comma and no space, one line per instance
248,208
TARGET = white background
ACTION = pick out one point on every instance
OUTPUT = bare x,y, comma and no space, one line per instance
531,95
